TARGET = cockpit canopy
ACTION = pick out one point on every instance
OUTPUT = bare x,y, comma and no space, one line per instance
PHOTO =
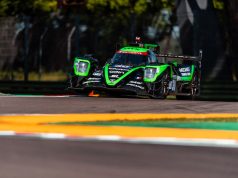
134,57
129,59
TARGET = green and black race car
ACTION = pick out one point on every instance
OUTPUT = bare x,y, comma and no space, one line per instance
139,69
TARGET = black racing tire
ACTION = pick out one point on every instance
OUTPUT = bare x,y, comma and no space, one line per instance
163,91
193,89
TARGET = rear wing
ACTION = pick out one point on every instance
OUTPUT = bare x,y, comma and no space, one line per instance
195,59
183,58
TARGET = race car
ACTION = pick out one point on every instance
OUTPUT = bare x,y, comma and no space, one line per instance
139,69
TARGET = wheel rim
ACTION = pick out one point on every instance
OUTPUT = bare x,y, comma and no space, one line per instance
164,87
162,90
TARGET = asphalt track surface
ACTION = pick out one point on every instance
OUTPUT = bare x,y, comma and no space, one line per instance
32,157
77,104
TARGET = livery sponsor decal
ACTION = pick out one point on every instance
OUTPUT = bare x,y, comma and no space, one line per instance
97,74
185,74
114,76
118,69
135,82
122,66
185,71
90,79
94,81
134,85
116,72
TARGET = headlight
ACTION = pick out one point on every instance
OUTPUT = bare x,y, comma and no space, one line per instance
150,73
82,67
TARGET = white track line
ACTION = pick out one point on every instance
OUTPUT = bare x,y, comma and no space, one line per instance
223,143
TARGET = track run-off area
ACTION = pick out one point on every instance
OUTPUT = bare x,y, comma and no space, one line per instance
117,119
76,136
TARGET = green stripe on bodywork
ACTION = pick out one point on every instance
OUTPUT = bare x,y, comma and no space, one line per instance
190,77
77,60
109,82
160,70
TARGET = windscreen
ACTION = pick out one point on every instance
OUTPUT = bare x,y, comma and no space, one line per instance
129,59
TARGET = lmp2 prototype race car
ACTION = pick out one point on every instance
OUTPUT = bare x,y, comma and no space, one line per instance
139,69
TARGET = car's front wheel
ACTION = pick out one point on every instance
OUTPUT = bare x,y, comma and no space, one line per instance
161,90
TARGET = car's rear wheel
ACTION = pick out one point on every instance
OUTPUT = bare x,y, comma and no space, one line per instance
193,90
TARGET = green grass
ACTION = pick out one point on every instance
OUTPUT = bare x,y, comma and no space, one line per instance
213,124
34,76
